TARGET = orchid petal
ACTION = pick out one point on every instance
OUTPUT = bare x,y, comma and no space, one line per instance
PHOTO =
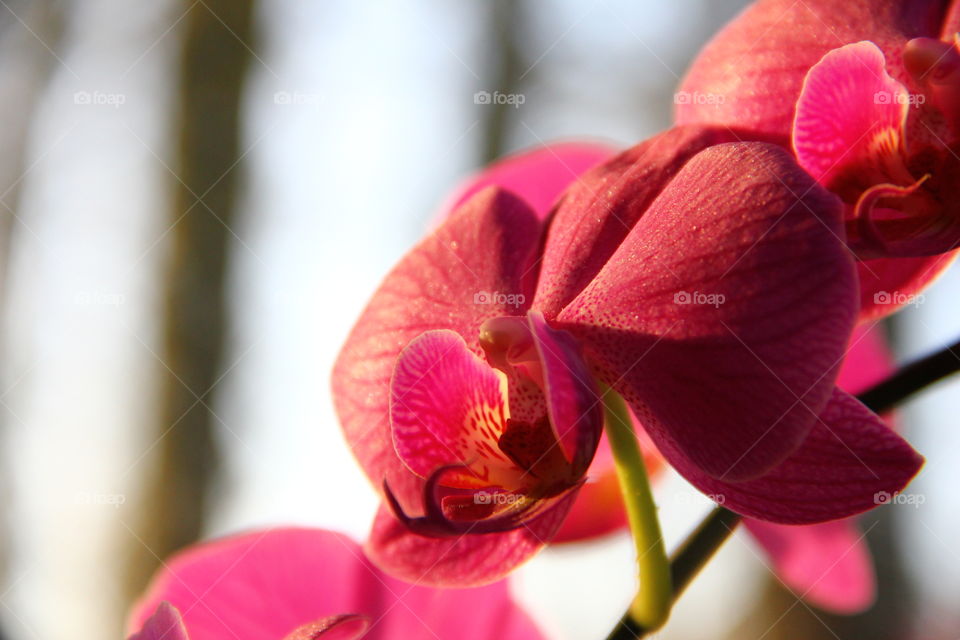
755,67
576,413
267,585
448,406
826,564
867,362
464,560
850,118
829,564
446,282
847,464
887,284
599,209
538,176
729,385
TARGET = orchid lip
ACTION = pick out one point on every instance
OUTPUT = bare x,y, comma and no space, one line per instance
436,524
884,147
498,440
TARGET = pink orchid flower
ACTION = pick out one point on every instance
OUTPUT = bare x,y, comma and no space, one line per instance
828,564
310,584
867,94
686,273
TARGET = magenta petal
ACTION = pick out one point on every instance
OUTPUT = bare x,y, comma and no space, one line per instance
538,176
849,112
598,210
342,627
755,66
266,585
723,316
446,282
164,624
867,362
826,564
439,389
844,467
888,284
576,413
462,561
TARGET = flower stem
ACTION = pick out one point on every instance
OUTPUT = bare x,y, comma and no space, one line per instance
699,547
912,378
651,606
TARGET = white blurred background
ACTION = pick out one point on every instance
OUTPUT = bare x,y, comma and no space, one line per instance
356,119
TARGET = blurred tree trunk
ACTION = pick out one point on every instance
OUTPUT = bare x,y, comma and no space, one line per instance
212,71
26,65
507,26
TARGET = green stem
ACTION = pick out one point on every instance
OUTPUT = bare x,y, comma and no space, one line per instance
651,606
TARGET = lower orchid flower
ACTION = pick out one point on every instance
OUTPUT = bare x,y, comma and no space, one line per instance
700,279
310,584
867,94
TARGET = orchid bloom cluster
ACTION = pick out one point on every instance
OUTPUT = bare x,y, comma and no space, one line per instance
721,278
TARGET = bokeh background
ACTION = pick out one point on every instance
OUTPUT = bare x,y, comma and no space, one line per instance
196,199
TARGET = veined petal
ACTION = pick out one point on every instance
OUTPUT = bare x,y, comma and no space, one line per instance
826,564
849,126
887,284
448,281
829,564
755,66
164,624
449,407
460,561
723,316
850,462
538,175
575,410
598,210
